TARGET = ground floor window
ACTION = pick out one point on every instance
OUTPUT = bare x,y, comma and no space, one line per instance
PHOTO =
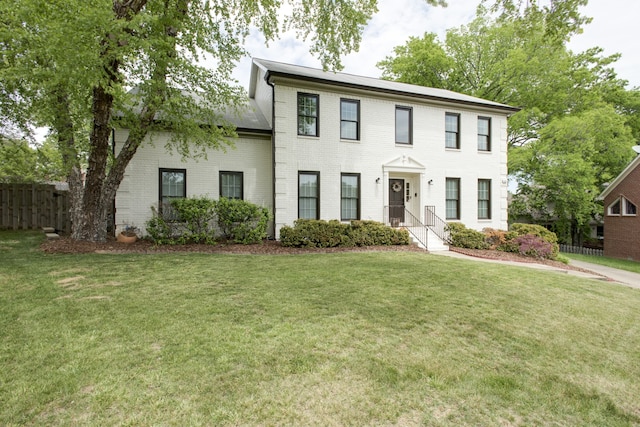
231,185
350,196
484,199
309,195
452,198
173,185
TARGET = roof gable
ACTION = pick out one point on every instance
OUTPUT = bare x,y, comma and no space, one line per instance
630,167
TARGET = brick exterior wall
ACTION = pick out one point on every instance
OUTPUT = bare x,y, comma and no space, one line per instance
622,233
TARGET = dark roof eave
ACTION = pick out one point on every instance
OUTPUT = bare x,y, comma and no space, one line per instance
390,91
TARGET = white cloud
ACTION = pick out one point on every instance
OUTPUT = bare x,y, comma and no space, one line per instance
613,29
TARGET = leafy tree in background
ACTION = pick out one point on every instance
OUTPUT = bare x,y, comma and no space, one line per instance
70,64
578,120
19,162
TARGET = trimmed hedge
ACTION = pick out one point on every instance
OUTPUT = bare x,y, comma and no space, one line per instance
462,237
313,233
203,220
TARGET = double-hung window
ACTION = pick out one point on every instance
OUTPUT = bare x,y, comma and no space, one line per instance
350,196
484,199
484,134
309,195
173,185
350,119
452,190
452,130
308,114
404,124
231,185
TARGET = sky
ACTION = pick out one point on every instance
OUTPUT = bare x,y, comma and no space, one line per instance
613,28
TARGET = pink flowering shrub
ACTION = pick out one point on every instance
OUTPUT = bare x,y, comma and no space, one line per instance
534,246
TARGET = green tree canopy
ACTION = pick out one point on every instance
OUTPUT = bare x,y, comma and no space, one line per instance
20,162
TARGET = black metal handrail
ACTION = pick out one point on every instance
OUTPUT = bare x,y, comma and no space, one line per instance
435,223
410,222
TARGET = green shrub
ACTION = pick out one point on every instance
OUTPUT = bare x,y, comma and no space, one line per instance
158,229
462,237
196,220
373,233
241,221
197,214
333,233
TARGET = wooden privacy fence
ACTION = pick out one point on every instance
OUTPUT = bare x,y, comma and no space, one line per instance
33,206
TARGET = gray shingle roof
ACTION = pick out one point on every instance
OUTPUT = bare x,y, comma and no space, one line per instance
349,80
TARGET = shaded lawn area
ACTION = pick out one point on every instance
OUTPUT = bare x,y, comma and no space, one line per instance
388,338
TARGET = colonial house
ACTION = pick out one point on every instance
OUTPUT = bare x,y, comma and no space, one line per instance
621,221
325,145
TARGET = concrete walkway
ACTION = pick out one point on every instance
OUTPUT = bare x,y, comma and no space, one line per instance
600,272
620,276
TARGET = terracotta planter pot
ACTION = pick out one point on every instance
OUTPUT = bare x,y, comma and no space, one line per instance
126,239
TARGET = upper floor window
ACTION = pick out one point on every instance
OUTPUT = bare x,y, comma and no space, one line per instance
452,190
484,134
350,196
308,114
484,199
309,195
452,130
404,125
622,206
173,185
349,119
231,185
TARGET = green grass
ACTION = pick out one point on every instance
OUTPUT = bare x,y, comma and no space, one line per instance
390,338
620,264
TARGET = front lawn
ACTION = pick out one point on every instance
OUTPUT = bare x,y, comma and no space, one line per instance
385,338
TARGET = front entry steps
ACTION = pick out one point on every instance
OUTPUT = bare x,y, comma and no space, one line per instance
433,243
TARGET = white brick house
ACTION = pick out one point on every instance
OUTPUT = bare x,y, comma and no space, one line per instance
337,146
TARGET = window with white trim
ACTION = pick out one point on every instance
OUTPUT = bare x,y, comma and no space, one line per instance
622,207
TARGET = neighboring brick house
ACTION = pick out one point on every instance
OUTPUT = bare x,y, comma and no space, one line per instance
337,146
621,220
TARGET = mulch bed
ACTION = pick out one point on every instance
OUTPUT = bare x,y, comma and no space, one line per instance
65,245
268,247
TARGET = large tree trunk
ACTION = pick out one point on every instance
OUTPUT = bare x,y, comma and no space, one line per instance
90,207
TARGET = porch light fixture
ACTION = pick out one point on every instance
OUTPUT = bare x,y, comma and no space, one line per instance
377,180
430,182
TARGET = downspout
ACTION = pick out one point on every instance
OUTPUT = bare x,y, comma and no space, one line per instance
113,206
273,147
